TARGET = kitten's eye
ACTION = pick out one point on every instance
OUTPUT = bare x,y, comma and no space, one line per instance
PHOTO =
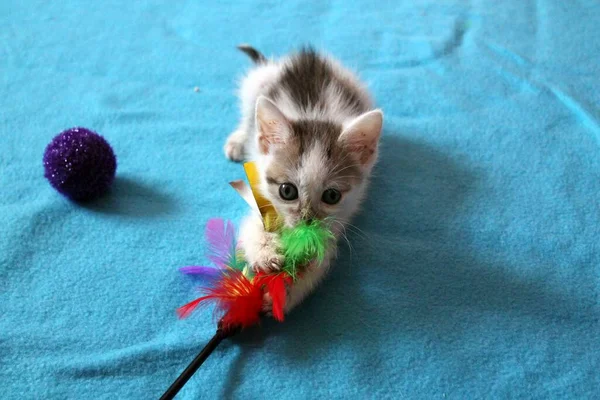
331,196
288,191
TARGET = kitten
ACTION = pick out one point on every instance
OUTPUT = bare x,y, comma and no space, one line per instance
310,126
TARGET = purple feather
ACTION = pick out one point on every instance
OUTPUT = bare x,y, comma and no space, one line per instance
206,272
221,241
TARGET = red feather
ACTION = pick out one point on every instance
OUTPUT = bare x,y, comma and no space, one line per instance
276,287
237,299
185,311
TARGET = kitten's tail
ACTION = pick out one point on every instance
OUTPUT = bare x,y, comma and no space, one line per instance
254,54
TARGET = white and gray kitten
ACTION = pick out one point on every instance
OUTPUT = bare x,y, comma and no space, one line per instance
310,126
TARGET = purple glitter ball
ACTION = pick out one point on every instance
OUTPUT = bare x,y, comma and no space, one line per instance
80,164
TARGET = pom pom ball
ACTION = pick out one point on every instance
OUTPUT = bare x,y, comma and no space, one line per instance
80,164
303,243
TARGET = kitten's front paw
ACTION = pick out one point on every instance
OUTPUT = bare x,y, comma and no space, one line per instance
265,254
234,147
268,260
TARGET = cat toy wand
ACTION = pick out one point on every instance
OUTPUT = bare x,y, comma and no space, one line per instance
197,362
236,291
241,298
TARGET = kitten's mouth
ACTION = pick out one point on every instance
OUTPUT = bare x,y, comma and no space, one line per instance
293,222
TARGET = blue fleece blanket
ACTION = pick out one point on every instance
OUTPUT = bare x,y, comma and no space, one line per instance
474,270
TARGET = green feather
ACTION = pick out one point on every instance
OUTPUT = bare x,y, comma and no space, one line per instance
304,243
237,260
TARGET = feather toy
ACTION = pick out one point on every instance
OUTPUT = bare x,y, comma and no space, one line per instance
238,295
234,289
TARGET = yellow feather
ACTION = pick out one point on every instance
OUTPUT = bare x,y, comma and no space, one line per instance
269,215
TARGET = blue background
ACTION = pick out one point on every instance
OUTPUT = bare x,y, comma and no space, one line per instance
475,272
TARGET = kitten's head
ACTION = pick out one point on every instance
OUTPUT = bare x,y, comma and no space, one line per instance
315,169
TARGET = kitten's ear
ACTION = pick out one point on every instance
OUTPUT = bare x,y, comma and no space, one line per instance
272,126
361,136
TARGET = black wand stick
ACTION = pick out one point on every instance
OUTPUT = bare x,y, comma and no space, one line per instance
198,361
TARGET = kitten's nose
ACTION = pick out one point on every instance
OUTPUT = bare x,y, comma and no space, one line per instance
307,215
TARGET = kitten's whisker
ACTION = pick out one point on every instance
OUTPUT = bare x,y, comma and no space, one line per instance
356,230
338,167
346,167
345,236
350,248
339,163
356,227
